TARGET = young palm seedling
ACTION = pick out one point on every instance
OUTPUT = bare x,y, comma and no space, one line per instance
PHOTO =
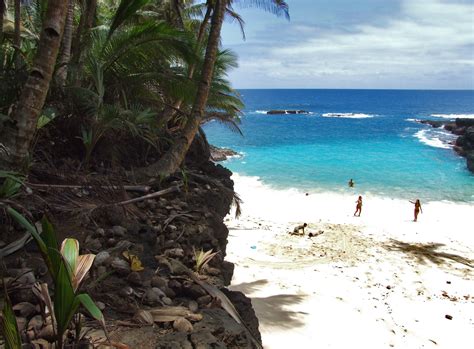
203,258
68,269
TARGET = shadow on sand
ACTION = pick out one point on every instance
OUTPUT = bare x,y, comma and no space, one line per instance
272,311
424,253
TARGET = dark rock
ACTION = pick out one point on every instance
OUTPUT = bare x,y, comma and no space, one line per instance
121,266
93,244
101,258
153,296
193,306
465,122
169,292
159,282
277,111
36,323
433,123
221,154
119,231
192,290
174,340
449,317
183,325
470,161
204,300
24,309
134,278
175,285
167,301
205,340
244,306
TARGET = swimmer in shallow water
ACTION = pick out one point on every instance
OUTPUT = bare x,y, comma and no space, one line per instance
351,183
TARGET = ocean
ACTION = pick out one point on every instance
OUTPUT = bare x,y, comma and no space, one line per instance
370,136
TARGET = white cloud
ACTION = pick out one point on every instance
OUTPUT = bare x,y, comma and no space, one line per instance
430,44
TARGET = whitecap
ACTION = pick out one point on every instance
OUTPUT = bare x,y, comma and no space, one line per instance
348,115
453,116
435,138
261,111
413,120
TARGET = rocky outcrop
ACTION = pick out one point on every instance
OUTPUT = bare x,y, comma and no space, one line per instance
221,154
464,128
284,111
155,231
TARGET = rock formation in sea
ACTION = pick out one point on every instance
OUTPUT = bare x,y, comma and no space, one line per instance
464,128
283,111
221,154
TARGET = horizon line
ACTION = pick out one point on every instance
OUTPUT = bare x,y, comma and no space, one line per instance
351,88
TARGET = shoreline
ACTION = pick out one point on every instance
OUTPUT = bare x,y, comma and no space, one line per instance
377,281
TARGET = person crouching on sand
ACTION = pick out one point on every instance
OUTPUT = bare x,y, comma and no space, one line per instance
418,209
299,228
358,207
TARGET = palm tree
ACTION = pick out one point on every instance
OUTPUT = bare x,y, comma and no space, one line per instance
65,54
17,37
19,132
2,14
173,158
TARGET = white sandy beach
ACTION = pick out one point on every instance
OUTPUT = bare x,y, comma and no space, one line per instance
378,281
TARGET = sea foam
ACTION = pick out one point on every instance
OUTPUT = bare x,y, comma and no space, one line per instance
348,115
435,138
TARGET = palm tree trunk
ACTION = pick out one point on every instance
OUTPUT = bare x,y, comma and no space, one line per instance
17,37
65,54
2,14
86,22
173,158
21,128
170,112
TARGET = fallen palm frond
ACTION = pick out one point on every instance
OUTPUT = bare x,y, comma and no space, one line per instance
136,188
177,268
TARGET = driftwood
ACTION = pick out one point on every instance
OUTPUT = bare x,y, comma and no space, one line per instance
177,267
136,188
146,197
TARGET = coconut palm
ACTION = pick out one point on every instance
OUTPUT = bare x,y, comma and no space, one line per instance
34,93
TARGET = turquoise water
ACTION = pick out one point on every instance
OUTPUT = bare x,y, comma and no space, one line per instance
367,135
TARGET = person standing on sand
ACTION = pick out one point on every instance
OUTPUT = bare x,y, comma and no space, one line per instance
418,209
351,183
358,207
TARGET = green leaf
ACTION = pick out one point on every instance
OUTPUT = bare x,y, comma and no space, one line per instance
9,325
90,306
70,252
30,228
51,242
65,302
9,188
125,11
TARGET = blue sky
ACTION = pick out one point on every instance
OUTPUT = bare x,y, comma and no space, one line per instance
401,44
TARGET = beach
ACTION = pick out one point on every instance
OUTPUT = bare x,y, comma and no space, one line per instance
375,281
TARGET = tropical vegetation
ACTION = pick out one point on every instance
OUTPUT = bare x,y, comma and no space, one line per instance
107,84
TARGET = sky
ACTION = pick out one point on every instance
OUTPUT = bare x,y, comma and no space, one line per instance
392,44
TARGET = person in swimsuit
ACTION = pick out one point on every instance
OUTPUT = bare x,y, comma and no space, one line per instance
418,209
358,207
299,228
351,183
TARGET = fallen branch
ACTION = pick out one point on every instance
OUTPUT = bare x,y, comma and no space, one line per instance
148,196
137,188
177,267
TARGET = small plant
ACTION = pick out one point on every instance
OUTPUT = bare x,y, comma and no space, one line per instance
203,258
9,325
68,269
11,185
